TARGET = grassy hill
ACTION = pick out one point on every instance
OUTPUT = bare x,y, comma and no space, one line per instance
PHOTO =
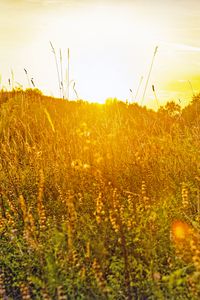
98,201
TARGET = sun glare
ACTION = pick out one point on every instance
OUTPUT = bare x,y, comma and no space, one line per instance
111,48
99,57
180,230
99,149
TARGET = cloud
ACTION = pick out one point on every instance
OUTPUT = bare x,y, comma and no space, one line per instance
181,47
41,2
187,48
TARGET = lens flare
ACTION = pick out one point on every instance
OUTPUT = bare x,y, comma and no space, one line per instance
180,230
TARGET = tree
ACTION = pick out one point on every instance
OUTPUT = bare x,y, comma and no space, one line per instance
171,108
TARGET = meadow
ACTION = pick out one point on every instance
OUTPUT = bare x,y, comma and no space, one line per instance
98,201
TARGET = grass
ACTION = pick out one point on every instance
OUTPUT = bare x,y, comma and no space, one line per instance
98,201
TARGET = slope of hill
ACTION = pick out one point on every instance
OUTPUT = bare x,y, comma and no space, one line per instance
98,201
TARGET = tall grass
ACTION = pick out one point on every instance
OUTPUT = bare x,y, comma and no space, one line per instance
98,201
64,86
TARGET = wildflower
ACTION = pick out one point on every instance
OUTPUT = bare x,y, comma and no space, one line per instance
76,164
86,166
184,194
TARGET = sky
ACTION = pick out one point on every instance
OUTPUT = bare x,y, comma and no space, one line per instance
111,45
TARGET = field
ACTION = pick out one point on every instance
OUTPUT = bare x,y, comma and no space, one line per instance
98,201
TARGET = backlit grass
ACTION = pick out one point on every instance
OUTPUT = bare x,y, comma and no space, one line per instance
98,201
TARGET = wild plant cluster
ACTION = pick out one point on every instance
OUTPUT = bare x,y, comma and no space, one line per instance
98,201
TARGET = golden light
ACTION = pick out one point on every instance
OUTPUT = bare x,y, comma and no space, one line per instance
111,46
107,60
180,230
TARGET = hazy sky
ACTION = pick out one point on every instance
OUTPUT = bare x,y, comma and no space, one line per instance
111,46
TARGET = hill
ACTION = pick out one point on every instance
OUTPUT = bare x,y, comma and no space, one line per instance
98,201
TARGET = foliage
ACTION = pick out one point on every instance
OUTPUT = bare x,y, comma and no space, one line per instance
97,201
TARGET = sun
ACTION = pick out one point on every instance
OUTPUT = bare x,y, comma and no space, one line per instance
107,56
